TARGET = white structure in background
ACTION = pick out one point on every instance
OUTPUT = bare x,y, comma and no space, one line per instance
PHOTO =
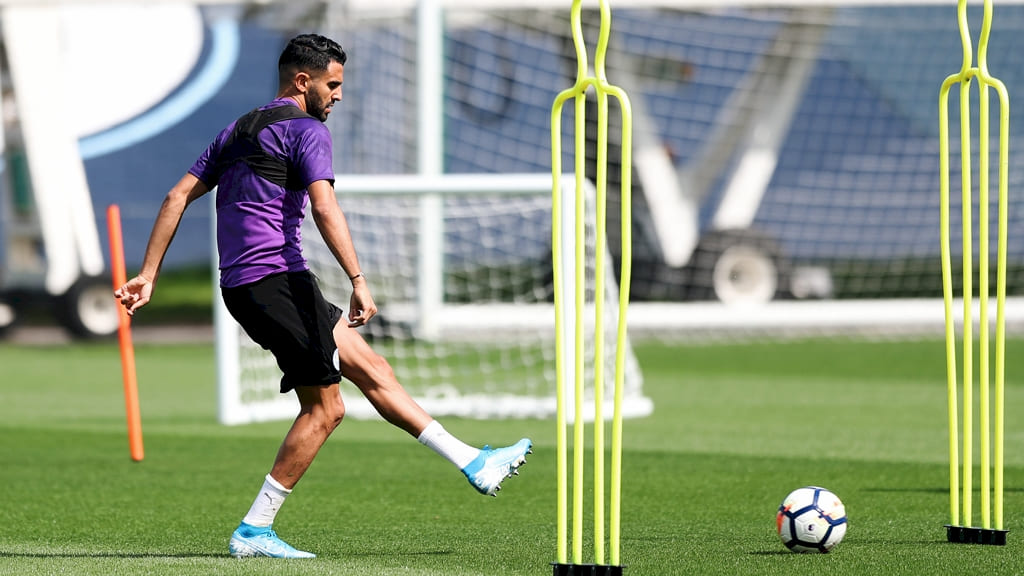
56,89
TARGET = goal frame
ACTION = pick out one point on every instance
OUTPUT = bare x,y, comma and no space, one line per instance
433,318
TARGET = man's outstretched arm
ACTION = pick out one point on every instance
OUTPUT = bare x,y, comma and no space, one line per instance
333,226
136,292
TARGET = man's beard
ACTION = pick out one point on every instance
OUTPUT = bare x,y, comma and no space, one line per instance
318,110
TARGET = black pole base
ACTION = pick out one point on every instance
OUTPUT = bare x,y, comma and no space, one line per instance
968,535
586,570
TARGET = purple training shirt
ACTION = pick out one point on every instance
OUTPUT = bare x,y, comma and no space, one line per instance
259,222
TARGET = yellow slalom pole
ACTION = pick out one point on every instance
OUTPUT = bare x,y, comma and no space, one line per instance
579,335
600,241
625,275
578,92
966,211
561,466
577,89
960,78
947,296
985,82
991,453
1000,383
604,90
983,261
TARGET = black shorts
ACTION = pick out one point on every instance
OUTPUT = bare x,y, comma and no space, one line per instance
286,314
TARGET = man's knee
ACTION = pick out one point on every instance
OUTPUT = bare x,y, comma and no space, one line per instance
333,412
323,404
380,367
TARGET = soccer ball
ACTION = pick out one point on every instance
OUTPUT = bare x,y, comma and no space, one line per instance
811,519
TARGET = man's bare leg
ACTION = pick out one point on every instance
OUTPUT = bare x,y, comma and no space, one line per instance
321,410
372,374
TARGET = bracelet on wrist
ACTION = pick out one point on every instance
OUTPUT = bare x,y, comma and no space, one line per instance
359,275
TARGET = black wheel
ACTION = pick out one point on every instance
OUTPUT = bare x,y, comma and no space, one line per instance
738,267
88,309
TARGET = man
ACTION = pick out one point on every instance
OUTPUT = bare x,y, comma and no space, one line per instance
266,166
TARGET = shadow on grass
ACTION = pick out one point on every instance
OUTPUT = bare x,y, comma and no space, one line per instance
127,555
940,539
943,490
392,553
109,555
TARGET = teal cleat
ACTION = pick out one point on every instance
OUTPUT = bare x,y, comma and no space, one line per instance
249,541
492,466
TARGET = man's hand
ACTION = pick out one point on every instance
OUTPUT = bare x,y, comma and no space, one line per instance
135,293
361,307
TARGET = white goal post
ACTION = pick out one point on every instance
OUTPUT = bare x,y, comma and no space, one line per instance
485,347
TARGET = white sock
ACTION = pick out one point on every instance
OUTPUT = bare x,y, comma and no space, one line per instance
267,503
435,437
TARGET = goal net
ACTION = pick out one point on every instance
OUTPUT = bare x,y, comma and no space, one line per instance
783,150
785,153
480,343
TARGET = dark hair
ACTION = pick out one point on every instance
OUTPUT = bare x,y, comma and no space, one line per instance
309,52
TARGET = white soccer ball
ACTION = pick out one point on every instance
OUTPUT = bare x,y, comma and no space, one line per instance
811,519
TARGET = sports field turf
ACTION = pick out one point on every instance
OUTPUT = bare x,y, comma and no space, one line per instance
736,427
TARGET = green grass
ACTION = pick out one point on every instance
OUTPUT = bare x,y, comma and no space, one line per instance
736,428
182,296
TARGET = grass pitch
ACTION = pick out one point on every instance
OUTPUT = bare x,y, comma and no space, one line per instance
736,428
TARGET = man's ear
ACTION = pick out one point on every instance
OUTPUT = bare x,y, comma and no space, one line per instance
301,82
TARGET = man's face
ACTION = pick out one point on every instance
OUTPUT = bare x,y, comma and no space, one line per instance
323,90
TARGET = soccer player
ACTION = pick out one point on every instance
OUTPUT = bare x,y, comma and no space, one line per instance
266,166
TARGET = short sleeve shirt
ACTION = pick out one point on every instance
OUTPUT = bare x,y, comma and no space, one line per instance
259,222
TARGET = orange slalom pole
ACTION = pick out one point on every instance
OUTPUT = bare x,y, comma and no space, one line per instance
124,336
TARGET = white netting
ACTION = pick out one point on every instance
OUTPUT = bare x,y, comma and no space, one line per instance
806,132
492,352
496,327
785,153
